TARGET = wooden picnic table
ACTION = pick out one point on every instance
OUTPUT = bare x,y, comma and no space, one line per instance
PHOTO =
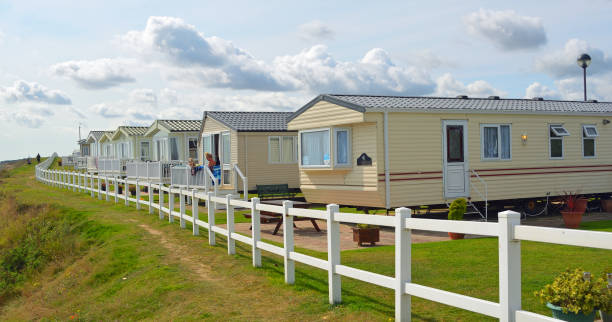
269,217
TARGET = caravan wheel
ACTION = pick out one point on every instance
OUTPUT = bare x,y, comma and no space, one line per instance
533,207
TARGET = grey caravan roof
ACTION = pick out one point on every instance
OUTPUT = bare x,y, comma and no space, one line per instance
252,121
372,103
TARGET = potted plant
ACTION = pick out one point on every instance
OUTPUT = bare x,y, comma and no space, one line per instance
606,312
103,186
132,191
606,205
455,212
575,206
573,296
365,233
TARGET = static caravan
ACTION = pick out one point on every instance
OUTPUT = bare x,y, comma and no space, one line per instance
93,139
257,143
386,152
107,150
130,143
174,140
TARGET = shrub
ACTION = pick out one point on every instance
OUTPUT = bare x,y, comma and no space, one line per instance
573,293
457,209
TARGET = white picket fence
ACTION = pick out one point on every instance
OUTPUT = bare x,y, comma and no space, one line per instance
508,230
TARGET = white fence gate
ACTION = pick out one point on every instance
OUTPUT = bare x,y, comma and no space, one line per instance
508,230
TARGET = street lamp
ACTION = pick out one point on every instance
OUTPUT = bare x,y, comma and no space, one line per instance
584,61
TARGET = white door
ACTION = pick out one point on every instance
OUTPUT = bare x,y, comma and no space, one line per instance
456,168
226,158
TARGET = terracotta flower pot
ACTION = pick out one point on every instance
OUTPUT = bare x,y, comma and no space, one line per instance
606,205
571,219
366,235
581,205
455,236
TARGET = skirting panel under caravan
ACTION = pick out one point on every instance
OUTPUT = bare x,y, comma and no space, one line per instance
344,197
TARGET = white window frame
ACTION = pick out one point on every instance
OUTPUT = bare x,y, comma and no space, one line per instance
323,166
349,156
280,149
187,147
593,137
552,127
499,149
556,127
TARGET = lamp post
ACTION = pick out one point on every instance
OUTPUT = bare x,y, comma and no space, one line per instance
584,61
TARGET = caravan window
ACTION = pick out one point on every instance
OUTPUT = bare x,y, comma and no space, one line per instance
315,148
144,151
225,147
589,133
193,148
342,143
174,153
282,149
556,134
496,143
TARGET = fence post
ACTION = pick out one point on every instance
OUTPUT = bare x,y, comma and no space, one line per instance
231,243
211,218
403,262
91,184
255,232
333,255
288,242
126,190
509,266
73,179
107,188
170,205
181,207
150,191
99,187
245,184
137,194
79,187
161,201
195,212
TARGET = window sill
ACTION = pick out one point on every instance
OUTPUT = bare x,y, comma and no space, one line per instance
327,168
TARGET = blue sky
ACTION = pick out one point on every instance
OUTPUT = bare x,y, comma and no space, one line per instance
129,62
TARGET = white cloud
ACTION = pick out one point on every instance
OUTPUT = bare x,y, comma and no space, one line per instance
562,63
447,85
538,90
315,31
192,58
168,97
23,118
95,74
506,29
23,91
144,95
316,70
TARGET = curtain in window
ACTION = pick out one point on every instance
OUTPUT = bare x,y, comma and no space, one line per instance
225,146
144,151
287,150
274,149
174,153
342,147
193,148
490,142
315,148
505,141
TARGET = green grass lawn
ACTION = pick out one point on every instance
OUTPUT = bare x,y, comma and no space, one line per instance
160,284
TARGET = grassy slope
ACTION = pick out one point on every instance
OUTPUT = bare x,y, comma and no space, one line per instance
180,277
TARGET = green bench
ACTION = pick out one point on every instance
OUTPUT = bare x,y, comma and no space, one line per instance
274,191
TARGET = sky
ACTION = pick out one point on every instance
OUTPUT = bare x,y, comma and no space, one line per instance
65,64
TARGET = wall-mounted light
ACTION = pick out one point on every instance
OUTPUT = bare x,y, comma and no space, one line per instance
606,121
524,138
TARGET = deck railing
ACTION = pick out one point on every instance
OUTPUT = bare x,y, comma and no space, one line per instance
155,171
92,164
245,182
508,230
112,167
81,163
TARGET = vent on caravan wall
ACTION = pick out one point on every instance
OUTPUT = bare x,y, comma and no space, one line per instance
592,101
462,96
538,98
493,97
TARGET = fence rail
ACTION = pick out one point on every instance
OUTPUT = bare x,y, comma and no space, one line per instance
508,230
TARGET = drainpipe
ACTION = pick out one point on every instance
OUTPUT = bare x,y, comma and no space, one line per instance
386,147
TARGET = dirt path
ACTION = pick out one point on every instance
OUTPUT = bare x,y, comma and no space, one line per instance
202,271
